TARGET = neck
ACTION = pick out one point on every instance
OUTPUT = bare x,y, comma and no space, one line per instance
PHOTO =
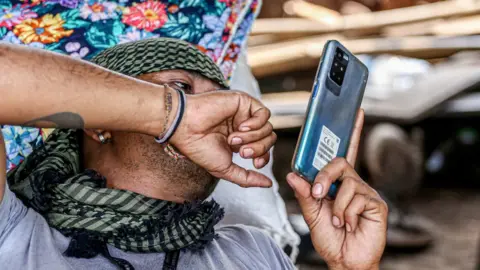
142,182
132,176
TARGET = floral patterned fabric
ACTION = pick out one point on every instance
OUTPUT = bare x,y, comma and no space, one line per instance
82,28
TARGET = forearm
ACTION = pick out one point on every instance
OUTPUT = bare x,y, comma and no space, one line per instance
43,89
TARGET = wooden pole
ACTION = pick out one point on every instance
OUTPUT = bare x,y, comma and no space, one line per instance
469,25
285,56
363,21
304,53
313,12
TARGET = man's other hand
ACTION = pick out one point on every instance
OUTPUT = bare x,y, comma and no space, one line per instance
219,123
350,231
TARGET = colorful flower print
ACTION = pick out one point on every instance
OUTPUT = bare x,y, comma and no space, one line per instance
98,11
75,50
133,34
148,15
11,17
47,29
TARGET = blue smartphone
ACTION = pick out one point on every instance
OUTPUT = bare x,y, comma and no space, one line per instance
335,100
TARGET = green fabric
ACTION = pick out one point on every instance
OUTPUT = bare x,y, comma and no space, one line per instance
157,54
76,202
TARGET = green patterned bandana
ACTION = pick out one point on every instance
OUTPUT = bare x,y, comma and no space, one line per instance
77,202
157,54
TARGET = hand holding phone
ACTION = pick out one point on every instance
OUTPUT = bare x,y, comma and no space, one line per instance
350,231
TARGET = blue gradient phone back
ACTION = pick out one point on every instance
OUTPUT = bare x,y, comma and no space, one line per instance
331,114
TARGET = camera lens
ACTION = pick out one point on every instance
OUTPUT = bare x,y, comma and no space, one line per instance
341,68
339,55
336,64
333,73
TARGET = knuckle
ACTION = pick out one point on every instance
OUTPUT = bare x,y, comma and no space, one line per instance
338,211
274,137
384,206
269,113
269,127
238,94
322,175
350,214
350,182
263,148
340,160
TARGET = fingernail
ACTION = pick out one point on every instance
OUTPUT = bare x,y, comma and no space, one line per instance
259,162
248,152
236,140
317,190
244,128
349,229
336,221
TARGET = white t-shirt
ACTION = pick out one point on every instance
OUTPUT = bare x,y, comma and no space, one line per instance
28,243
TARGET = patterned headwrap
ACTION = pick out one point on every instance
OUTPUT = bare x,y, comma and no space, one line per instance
158,54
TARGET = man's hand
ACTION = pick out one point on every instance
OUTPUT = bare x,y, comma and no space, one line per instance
217,124
349,232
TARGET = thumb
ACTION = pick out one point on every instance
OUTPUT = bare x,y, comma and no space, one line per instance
243,177
308,204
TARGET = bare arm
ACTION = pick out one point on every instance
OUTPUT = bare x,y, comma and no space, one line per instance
43,89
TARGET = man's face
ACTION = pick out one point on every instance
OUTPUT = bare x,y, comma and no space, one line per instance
141,152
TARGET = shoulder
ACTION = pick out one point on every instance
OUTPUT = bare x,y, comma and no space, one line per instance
255,243
243,233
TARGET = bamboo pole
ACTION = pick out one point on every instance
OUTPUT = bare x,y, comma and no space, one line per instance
363,21
304,53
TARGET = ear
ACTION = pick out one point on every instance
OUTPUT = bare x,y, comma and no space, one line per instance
93,134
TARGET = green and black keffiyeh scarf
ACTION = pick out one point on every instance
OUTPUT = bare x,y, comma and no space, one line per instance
77,203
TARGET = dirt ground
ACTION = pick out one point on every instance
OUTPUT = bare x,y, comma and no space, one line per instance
455,216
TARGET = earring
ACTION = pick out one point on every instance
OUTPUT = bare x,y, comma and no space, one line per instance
102,138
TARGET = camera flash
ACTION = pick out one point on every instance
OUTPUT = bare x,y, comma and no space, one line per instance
345,57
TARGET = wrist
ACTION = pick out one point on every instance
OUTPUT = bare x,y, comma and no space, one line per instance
170,109
171,126
174,138
160,119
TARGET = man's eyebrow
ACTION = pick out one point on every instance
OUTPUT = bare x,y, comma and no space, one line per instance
194,74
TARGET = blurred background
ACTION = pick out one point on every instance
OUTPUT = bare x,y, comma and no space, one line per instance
421,142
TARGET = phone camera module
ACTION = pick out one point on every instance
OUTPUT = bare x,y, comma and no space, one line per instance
339,67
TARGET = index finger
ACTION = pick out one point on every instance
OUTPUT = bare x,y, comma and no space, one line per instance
355,139
337,169
259,117
251,114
